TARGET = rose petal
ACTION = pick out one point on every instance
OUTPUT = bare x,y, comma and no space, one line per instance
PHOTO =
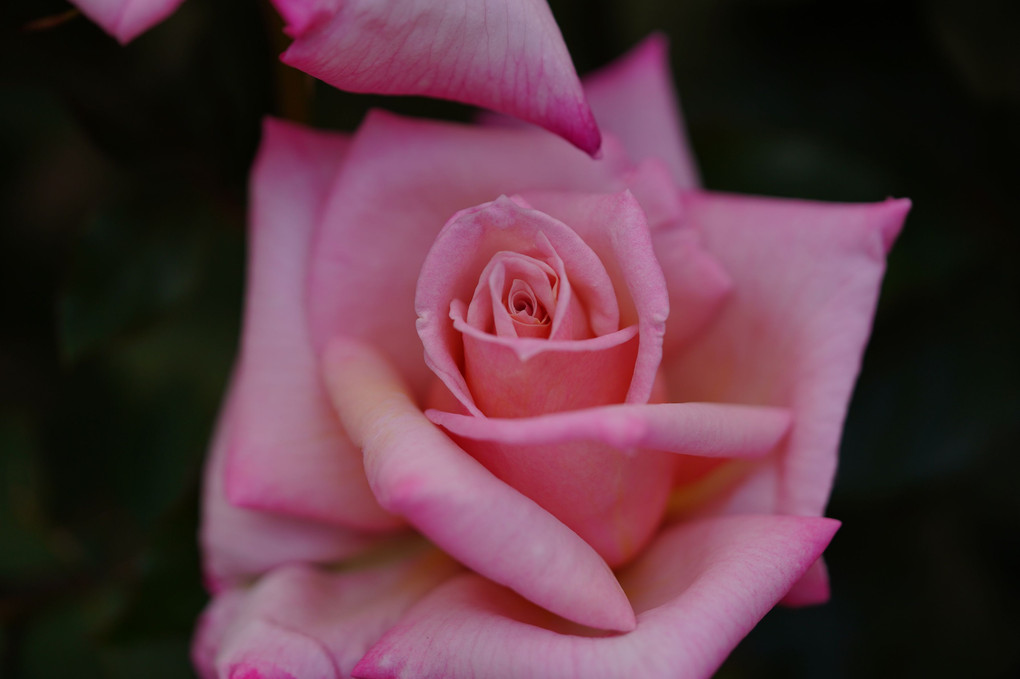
459,255
126,19
506,55
287,452
299,621
700,589
361,285
812,589
699,429
806,277
416,471
634,99
586,469
508,381
614,226
698,285
238,543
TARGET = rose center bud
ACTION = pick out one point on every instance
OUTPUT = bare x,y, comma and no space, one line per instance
528,345
525,317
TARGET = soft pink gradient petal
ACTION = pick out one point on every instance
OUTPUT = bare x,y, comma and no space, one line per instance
239,543
614,226
716,430
634,99
418,472
308,623
125,20
361,283
287,452
505,55
806,279
699,590
602,471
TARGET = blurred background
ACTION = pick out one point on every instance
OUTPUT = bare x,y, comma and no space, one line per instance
122,212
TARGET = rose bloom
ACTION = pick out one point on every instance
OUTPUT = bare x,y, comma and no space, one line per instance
503,410
505,55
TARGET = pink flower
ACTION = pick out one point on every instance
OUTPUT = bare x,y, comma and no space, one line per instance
619,442
504,55
127,19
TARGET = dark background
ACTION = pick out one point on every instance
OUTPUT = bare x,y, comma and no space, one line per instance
122,202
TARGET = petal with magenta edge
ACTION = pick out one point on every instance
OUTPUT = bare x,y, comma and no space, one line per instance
699,590
125,20
506,55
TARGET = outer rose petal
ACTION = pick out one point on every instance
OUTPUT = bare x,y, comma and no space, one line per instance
363,277
304,623
806,280
699,590
506,55
287,452
238,543
634,98
127,19
418,472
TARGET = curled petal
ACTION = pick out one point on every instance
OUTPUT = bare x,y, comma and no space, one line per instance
699,429
125,20
698,591
419,473
506,55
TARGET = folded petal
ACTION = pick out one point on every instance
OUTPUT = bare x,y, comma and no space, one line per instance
634,99
287,452
361,284
602,471
126,19
699,590
806,279
239,543
303,622
699,429
506,55
416,471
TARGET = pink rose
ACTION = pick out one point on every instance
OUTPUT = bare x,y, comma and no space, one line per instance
620,439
